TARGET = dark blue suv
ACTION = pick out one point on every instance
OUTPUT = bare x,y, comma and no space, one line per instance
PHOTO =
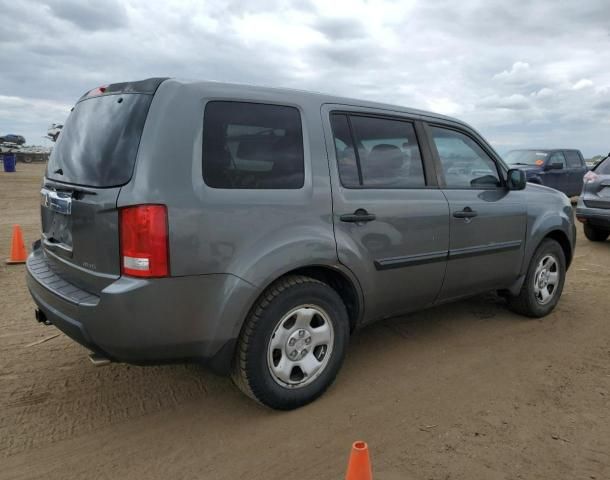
561,169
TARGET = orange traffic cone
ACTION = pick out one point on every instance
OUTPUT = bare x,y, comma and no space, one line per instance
359,466
18,253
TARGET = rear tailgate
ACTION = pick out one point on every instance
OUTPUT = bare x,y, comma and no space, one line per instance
80,236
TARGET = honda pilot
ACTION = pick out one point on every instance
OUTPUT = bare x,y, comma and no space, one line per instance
255,229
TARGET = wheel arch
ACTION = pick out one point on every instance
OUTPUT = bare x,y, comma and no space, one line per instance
562,239
340,280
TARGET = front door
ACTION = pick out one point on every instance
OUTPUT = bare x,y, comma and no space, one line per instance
390,217
576,171
487,221
556,177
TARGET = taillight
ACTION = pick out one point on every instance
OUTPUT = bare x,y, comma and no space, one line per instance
96,91
144,241
590,177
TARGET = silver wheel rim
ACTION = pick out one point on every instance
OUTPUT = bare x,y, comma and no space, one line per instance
546,279
300,346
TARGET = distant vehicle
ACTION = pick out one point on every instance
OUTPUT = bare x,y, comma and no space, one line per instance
54,131
561,169
254,229
593,207
11,138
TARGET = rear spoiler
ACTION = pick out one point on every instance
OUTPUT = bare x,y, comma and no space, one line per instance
148,86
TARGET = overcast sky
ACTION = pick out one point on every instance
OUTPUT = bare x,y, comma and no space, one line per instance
524,73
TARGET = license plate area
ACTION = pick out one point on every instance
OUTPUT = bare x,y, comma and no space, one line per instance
57,219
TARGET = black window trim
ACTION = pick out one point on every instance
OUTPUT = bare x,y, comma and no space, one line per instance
439,166
428,183
270,103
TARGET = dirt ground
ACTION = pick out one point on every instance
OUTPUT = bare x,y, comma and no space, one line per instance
462,391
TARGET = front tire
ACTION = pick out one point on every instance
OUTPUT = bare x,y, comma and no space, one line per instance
292,344
595,234
543,283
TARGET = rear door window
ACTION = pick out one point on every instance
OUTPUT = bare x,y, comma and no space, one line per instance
99,141
252,146
573,159
387,153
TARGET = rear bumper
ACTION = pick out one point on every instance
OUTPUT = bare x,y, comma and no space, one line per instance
598,217
148,321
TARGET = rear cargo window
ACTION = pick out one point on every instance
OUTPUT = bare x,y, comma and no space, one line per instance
99,142
603,168
250,145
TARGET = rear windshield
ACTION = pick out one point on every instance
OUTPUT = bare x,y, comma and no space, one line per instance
526,157
98,145
603,168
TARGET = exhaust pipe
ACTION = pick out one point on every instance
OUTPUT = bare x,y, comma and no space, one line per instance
41,317
98,360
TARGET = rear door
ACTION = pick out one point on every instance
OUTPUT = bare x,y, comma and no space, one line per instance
94,156
556,178
576,170
390,218
487,221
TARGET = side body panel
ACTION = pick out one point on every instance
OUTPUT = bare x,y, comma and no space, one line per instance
547,211
254,235
486,251
400,257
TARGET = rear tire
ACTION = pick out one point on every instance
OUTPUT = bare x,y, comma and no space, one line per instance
543,282
596,234
292,344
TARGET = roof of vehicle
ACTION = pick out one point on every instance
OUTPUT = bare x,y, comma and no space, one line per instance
312,96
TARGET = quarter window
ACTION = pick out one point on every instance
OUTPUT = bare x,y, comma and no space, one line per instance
387,154
465,164
252,146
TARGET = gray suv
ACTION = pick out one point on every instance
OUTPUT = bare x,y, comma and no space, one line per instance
254,229
594,203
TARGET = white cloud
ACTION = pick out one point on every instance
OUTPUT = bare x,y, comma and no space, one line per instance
518,70
583,83
446,106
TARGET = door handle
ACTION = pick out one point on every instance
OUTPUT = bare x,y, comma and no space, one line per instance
360,215
466,213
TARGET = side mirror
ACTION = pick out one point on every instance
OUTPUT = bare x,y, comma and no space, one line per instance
515,179
554,166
